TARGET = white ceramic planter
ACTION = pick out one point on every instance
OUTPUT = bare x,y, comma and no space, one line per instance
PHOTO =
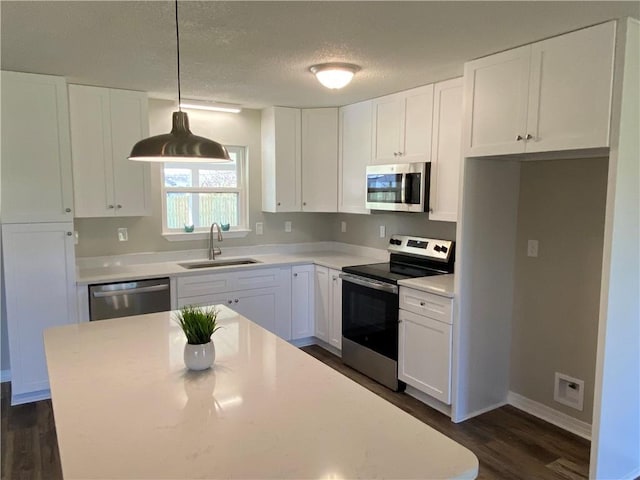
199,357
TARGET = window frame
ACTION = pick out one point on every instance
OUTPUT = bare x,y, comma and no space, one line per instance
241,230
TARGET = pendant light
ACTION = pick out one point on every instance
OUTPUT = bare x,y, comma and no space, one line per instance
180,145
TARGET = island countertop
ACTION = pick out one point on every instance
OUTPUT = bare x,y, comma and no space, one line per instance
125,407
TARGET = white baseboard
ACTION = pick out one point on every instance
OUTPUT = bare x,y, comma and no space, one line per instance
478,412
548,414
5,376
428,400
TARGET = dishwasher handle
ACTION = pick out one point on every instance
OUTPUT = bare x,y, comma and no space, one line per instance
115,293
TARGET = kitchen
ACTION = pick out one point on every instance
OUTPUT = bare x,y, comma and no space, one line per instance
97,237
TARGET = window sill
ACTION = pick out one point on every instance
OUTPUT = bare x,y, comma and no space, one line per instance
185,237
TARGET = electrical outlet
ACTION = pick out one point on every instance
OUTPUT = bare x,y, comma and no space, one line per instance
287,227
343,227
532,248
383,231
259,229
75,237
123,235
569,391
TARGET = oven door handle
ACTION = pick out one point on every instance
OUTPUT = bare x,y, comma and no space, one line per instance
365,282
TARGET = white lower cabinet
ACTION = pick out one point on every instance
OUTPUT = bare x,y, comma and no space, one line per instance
261,295
39,270
302,301
328,306
424,356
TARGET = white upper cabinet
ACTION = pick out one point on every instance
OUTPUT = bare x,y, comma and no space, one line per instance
570,90
281,160
354,148
548,96
446,154
402,125
320,160
36,153
105,124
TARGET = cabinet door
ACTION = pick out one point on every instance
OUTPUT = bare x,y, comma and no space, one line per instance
418,122
39,269
131,180
570,90
321,303
496,91
259,306
388,128
447,155
281,160
36,151
302,301
354,156
335,327
320,160
90,121
424,355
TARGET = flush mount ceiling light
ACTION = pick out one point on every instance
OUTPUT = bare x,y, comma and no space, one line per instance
180,145
334,75
210,106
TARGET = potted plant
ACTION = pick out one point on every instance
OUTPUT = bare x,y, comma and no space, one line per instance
198,324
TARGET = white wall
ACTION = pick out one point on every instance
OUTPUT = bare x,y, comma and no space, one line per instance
615,451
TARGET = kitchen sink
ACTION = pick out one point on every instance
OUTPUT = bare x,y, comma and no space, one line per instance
218,263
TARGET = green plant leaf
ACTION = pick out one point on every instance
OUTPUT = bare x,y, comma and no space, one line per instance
198,323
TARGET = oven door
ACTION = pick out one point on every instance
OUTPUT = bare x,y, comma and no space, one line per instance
370,314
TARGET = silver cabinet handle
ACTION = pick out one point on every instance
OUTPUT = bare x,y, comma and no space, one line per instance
304,203
68,210
235,301
395,154
229,302
295,274
110,206
400,154
69,234
518,138
431,210
116,293
119,206
529,136
422,304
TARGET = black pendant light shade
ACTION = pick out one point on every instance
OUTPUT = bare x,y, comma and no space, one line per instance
179,146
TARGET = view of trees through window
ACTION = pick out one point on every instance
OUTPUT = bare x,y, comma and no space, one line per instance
202,193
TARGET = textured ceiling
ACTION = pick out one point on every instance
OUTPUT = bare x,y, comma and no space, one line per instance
258,53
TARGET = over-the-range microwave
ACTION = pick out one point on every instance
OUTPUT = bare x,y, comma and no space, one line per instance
400,187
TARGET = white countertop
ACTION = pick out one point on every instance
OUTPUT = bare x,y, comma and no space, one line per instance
438,284
125,407
117,273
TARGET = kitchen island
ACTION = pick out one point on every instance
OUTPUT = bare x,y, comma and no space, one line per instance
125,407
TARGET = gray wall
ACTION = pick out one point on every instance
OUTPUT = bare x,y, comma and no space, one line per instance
555,322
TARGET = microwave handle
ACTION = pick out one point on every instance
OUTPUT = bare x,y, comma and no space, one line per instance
403,188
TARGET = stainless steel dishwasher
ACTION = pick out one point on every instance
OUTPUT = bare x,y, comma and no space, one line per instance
137,297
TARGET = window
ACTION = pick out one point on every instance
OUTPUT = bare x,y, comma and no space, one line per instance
199,194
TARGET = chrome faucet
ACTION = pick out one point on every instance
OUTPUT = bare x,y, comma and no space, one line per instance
214,250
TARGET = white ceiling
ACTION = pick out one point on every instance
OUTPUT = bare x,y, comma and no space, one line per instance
258,53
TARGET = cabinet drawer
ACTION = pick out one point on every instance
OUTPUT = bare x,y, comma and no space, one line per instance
205,284
427,304
203,300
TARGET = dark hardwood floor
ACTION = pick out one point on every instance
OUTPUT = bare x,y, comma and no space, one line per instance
510,444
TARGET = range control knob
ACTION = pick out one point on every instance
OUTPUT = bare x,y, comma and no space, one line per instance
438,248
392,241
444,249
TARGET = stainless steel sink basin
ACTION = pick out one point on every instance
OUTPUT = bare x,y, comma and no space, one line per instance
218,263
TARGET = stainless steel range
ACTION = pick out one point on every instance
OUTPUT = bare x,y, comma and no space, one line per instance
370,303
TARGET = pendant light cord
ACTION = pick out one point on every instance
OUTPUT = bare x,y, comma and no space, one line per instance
178,56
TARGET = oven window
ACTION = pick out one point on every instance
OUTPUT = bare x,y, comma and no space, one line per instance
384,188
370,318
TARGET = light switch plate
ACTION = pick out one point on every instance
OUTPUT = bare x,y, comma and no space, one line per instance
259,228
343,227
383,231
532,248
123,235
287,227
